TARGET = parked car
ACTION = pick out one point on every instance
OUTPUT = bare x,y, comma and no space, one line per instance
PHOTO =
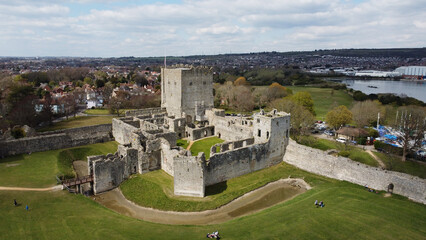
329,132
341,140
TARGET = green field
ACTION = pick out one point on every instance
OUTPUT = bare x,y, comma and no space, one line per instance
182,143
325,99
39,169
354,153
204,145
67,156
103,111
155,189
80,121
394,163
351,212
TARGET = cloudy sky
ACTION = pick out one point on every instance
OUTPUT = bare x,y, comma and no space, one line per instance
112,28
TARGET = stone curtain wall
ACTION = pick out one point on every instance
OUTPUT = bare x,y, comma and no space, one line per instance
122,129
57,139
319,162
233,163
145,111
198,133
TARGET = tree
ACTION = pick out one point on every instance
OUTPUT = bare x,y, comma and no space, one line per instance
23,112
365,113
236,97
242,99
107,92
241,81
70,104
140,79
305,99
99,83
411,122
118,102
301,119
88,80
21,101
275,90
339,116
46,113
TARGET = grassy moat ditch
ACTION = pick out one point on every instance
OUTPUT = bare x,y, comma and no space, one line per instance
155,189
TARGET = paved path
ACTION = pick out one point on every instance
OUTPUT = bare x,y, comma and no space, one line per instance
241,206
54,188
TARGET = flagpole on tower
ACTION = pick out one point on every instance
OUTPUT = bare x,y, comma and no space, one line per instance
165,59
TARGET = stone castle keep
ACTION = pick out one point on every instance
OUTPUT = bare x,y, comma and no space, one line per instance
148,137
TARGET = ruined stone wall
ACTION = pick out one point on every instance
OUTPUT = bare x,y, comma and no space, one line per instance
168,153
189,176
230,128
176,125
319,162
122,129
233,163
145,111
56,140
148,126
226,146
194,134
111,170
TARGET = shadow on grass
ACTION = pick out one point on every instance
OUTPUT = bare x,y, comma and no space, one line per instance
12,158
216,188
68,156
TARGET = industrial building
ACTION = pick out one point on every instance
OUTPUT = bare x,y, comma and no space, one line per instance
418,72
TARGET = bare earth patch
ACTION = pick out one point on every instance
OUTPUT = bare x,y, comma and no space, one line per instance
259,199
12,164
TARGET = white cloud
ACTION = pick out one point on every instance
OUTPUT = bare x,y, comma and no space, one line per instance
207,26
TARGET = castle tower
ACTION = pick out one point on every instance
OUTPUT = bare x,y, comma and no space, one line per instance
187,91
273,127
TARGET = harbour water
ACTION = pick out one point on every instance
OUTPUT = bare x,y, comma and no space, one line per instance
401,88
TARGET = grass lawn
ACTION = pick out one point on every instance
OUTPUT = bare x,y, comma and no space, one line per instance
103,111
39,169
67,156
355,153
324,101
394,163
350,213
155,189
204,145
182,143
80,121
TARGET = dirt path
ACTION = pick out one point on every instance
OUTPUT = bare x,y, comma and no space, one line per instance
54,188
190,145
382,165
244,205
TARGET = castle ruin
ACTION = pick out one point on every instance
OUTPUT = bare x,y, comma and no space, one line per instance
148,137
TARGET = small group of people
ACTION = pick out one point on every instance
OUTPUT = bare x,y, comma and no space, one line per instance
370,189
213,235
15,203
319,204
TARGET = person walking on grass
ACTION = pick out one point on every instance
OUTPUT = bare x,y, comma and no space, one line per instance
27,208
